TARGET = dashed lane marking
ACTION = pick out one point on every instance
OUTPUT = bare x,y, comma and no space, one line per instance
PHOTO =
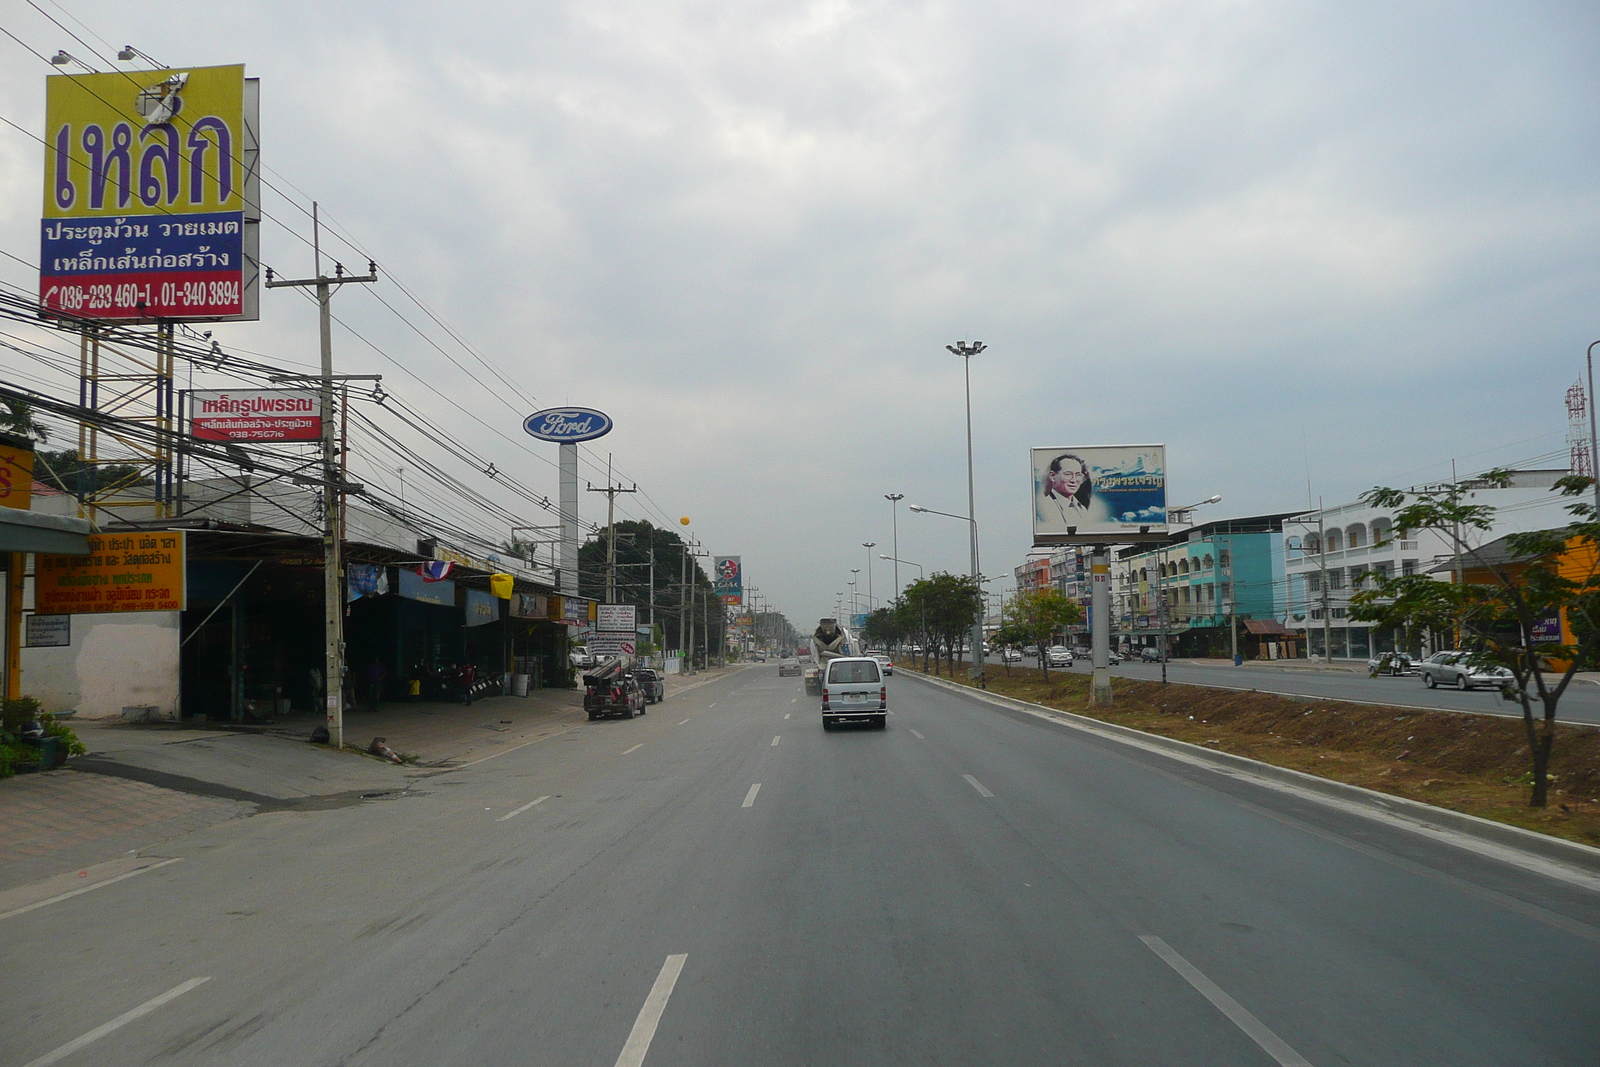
750,797
116,1024
787,714
681,723
635,748
776,739
58,898
974,783
1254,1028
655,1004
918,736
513,814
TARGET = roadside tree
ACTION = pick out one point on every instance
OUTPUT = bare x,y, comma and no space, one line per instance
1514,604
1039,614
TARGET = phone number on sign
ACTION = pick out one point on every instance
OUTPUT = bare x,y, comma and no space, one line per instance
109,298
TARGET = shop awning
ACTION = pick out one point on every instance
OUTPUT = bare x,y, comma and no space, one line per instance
1266,628
32,531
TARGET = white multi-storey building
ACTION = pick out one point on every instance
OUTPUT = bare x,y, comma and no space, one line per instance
1337,550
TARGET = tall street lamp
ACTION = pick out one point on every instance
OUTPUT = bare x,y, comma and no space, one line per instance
977,624
907,562
966,351
894,512
869,546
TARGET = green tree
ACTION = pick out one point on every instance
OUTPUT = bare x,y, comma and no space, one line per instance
882,627
634,539
1533,578
1040,614
943,607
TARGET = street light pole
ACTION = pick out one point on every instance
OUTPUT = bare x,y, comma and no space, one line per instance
894,513
977,579
1594,459
966,351
869,546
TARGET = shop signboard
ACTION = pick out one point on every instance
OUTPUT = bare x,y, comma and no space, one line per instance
151,195
567,426
529,606
729,579
482,608
16,472
121,573
260,416
48,631
414,586
1106,494
576,611
612,644
616,618
1547,630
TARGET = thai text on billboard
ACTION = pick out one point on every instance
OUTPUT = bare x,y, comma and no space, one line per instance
616,618
151,195
258,415
122,572
1099,493
729,579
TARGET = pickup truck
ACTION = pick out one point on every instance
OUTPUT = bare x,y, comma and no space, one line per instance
612,690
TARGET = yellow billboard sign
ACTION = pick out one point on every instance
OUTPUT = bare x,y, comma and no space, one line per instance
150,194
122,572
16,476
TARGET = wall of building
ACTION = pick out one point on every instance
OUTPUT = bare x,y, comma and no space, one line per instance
114,661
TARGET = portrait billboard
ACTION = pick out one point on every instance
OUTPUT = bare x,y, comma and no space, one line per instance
151,195
728,576
256,415
1099,493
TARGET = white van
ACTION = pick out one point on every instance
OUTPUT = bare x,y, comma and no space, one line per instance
853,690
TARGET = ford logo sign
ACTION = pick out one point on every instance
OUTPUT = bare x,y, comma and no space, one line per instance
567,425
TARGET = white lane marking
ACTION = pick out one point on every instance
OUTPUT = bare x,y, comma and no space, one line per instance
120,1021
974,783
787,714
918,736
635,748
1254,1028
655,1003
750,797
681,723
519,811
712,704
775,740
794,700
58,898
508,751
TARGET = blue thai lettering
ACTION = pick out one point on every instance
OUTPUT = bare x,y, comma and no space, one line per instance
210,132
150,188
66,192
102,160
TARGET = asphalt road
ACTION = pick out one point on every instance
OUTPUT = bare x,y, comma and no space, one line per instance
969,886
1580,704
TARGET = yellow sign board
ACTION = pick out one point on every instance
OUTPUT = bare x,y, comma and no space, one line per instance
16,477
122,572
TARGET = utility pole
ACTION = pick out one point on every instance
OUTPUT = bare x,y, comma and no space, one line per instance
332,486
611,492
966,352
1327,612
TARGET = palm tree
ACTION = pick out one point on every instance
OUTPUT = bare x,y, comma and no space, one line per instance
18,418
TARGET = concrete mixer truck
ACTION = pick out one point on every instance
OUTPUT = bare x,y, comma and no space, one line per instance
828,641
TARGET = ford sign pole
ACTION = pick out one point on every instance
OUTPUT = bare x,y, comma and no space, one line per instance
566,427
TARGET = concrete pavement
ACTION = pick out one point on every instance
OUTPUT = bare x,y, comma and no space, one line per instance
727,883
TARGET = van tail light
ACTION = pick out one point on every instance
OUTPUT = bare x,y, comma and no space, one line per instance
824,698
883,697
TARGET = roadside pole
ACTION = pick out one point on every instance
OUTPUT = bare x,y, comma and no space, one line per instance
332,489
1100,624
568,462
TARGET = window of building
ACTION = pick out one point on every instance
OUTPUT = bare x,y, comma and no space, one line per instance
1382,531
1316,613
1336,578
1383,571
1224,558
1356,536
1337,613
1408,567
1207,562
1358,577
1314,582
1313,544
1335,544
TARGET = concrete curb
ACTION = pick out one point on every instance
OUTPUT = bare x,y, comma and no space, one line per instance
1392,809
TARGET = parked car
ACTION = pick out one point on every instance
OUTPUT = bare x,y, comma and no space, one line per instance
886,663
787,666
1391,663
1114,658
1010,655
758,657
654,686
1058,656
1462,670
1150,654
1030,650
916,650
853,690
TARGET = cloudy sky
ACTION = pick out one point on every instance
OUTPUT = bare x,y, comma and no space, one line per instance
1336,243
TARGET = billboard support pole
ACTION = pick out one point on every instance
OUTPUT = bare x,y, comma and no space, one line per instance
569,518
332,493
1100,628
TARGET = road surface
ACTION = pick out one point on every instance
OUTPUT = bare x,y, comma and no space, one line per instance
723,882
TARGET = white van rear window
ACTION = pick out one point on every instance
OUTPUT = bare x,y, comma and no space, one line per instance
859,671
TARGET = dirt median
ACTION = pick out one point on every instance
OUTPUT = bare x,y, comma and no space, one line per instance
1477,764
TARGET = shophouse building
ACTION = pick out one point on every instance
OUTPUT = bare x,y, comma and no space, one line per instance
1332,553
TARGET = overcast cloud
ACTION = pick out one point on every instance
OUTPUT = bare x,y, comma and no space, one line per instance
1344,242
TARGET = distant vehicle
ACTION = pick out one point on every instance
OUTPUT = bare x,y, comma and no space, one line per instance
1058,656
886,663
1462,670
1113,657
853,691
758,657
1030,650
611,689
654,686
916,650
828,642
1391,663
1150,654
788,665
1010,655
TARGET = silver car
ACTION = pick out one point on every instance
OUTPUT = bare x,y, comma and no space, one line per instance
1462,670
